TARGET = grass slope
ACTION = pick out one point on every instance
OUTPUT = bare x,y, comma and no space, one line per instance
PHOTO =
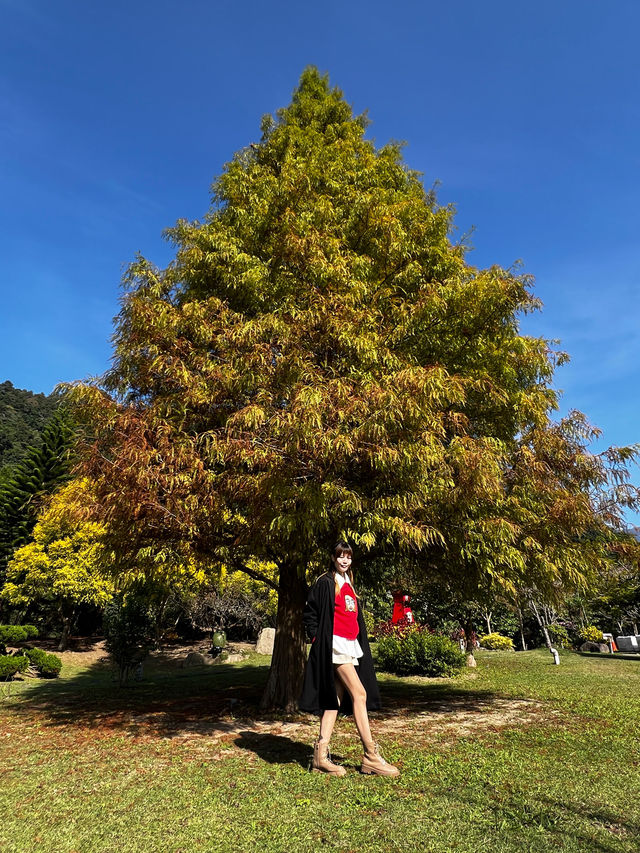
517,755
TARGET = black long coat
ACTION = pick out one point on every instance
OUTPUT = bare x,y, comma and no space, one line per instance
319,689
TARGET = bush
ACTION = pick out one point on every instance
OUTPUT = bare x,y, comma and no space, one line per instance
559,636
496,642
412,651
48,665
369,622
591,634
128,633
14,635
12,664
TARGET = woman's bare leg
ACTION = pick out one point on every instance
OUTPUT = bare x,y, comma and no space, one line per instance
349,677
328,719
372,761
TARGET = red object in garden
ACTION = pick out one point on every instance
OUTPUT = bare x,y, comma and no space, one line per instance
401,609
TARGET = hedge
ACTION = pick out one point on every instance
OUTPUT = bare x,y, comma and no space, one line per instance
412,651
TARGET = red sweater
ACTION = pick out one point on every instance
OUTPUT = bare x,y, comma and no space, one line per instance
345,618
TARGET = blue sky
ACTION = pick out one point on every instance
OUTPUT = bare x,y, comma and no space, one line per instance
115,118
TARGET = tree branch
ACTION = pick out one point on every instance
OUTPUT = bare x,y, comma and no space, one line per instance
257,576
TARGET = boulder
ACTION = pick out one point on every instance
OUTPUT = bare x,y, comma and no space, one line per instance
264,646
594,647
195,659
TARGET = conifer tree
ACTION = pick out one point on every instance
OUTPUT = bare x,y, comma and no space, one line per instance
46,466
320,359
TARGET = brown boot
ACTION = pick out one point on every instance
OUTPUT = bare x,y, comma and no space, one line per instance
373,762
322,762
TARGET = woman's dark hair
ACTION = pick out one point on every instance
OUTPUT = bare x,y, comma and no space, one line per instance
341,547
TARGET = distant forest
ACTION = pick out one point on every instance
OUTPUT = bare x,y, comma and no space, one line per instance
23,416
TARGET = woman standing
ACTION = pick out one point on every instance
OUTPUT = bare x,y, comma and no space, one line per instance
339,675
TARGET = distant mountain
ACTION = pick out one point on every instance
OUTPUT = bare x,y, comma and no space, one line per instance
635,531
23,416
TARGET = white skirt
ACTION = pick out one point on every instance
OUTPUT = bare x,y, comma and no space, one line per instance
346,651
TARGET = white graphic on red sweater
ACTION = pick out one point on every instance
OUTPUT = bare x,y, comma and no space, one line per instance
349,604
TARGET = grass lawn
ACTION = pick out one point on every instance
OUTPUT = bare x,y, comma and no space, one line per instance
516,755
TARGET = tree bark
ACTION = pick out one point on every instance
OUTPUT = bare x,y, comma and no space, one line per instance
67,623
289,648
469,643
521,626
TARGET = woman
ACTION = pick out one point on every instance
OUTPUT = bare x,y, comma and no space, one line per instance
339,675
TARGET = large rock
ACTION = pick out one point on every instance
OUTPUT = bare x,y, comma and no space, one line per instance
195,659
264,646
594,647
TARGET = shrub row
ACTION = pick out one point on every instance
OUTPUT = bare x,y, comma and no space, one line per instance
47,665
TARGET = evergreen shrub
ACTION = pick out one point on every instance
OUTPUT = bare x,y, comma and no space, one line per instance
14,635
48,665
414,651
128,633
12,664
496,642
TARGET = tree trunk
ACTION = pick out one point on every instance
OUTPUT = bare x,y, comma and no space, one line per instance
521,625
289,648
469,644
545,632
67,622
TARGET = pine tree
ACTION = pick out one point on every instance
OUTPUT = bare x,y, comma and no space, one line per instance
320,359
46,465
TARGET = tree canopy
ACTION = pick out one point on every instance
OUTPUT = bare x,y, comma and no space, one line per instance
321,359
23,416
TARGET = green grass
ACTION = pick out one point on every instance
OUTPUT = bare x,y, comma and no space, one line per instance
518,755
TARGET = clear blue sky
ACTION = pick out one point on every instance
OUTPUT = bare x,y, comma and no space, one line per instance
115,117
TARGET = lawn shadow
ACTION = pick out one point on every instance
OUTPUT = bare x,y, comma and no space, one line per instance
216,700
626,656
275,749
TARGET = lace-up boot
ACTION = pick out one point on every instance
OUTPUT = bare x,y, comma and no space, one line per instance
374,763
322,763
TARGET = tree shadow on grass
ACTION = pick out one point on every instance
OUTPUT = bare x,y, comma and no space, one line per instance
558,820
617,656
211,700
276,749
605,818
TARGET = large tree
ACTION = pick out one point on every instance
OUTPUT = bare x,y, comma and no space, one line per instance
44,468
23,416
321,359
